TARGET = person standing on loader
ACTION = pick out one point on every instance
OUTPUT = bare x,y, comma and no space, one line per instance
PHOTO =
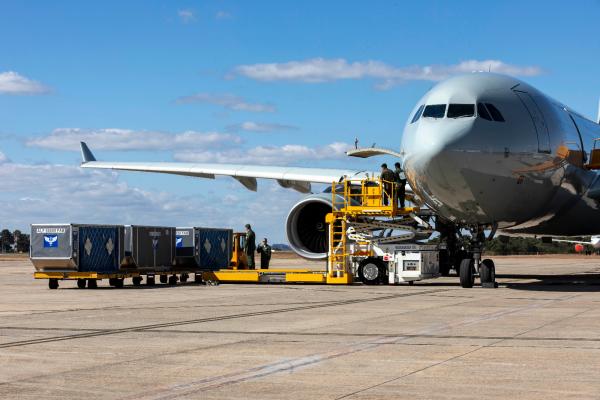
400,183
250,246
388,179
265,250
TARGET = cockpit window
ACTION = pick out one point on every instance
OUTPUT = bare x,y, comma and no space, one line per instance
434,111
496,115
483,112
417,114
461,110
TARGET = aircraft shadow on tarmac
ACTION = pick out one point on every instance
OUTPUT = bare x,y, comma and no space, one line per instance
587,282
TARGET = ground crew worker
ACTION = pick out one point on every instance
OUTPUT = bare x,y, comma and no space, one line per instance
400,183
387,181
250,246
264,249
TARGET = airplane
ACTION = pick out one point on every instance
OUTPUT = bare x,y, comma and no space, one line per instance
594,242
486,152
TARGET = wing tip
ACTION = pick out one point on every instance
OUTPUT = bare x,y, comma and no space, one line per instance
86,153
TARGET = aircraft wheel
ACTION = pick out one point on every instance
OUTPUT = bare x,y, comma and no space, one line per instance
163,278
487,271
150,280
92,284
370,271
467,275
52,283
136,280
81,283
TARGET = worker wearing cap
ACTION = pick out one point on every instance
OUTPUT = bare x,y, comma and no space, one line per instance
264,249
250,246
400,183
387,178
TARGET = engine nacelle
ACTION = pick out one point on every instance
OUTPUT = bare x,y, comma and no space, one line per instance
307,232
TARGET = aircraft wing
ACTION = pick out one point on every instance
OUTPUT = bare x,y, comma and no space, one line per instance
572,241
297,178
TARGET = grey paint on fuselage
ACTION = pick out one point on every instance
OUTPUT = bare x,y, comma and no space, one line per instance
525,174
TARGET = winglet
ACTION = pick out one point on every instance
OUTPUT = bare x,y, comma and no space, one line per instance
86,154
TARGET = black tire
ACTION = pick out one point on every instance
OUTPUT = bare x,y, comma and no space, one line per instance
184,277
173,280
467,273
92,284
371,271
198,278
52,283
112,282
136,280
487,271
163,278
81,283
119,282
150,281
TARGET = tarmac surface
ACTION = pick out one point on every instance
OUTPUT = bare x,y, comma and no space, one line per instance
535,337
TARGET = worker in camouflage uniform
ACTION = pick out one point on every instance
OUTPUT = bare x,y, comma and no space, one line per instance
388,179
264,249
250,246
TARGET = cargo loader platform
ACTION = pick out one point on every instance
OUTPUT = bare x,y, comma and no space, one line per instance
266,276
115,279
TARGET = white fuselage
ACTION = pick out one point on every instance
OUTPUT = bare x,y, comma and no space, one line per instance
494,150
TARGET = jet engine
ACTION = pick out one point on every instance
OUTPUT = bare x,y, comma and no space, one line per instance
306,229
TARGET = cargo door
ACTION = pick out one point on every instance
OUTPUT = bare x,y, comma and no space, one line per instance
539,122
99,249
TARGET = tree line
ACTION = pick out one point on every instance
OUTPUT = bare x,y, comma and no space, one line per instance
14,242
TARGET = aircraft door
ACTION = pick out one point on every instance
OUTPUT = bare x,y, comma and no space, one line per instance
538,121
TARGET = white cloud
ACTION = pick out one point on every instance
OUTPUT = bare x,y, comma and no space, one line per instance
268,155
223,15
126,139
262,127
228,101
14,83
186,16
3,158
322,70
62,193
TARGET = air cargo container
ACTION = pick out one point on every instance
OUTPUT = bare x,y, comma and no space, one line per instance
149,248
76,247
206,249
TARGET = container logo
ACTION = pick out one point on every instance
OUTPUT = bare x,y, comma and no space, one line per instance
178,241
50,240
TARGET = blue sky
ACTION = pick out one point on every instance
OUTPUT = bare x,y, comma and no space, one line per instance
257,82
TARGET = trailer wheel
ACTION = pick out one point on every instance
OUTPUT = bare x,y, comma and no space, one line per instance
184,277
119,282
173,280
150,280
467,273
81,283
92,284
52,283
136,280
198,278
371,271
163,278
487,271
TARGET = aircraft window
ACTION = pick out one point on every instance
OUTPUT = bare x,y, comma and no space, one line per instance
417,114
435,111
483,112
495,112
461,110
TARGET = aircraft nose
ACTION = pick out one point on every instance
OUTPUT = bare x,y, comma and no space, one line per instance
463,175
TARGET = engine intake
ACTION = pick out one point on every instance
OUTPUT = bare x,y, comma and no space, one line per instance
306,229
